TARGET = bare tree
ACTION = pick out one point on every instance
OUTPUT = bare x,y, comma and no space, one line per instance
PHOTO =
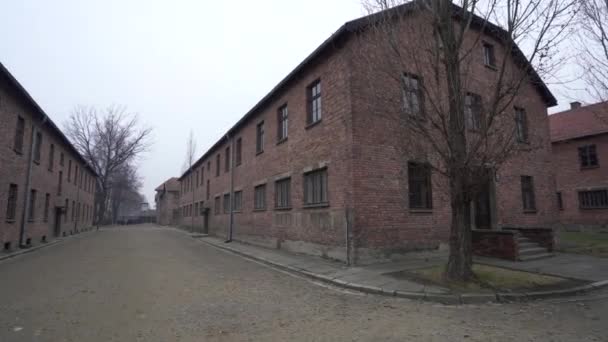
593,42
188,162
125,196
426,50
108,140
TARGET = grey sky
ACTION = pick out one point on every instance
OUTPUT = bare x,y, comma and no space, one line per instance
181,64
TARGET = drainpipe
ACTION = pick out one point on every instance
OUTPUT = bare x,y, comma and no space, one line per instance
349,237
28,178
76,221
231,206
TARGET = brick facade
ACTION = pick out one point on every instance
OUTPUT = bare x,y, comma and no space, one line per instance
572,130
167,202
365,157
77,184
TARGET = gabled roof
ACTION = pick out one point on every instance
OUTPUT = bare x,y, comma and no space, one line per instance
172,184
579,122
43,116
358,25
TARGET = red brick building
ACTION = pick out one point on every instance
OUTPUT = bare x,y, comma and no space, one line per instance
312,171
580,153
46,187
167,202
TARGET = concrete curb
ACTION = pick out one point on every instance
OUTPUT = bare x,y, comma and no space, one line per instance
48,244
447,299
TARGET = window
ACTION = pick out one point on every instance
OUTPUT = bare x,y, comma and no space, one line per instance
11,205
521,125
197,179
315,187
217,205
239,151
19,135
282,190
227,160
73,210
238,201
60,183
37,146
47,200
314,103
226,203
594,199
588,156
76,175
420,186
488,55
259,141
69,171
67,208
283,123
560,201
472,111
412,95
51,157
217,165
32,207
527,193
61,159
208,189
209,166
259,199
196,209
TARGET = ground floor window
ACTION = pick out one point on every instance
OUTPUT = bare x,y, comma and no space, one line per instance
238,201
226,203
527,193
560,201
420,189
594,199
315,187
282,190
11,206
217,205
259,199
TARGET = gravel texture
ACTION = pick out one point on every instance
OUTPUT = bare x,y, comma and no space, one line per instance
151,284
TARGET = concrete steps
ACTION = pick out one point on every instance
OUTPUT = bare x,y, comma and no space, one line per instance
530,250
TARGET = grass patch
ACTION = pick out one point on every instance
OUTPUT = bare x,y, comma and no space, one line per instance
595,244
490,278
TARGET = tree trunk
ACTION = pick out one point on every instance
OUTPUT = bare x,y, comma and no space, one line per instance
460,263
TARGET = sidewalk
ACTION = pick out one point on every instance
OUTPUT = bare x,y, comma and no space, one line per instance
373,279
17,252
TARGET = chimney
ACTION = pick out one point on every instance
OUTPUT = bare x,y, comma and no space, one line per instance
575,105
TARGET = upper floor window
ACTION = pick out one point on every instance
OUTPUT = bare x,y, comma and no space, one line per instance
412,94
489,59
19,135
259,142
521,125
314,103
51,157
217,165
282,123
227,160
60,183
208,190
315,187
32,207
472,111
37,146
69,171
239,152
420,186
594,199
527,193
560,201
588,156
61,159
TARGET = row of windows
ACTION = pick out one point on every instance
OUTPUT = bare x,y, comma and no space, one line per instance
314,114
13,196
591,199
81,178
413,105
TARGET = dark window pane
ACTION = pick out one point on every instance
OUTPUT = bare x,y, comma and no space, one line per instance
420,188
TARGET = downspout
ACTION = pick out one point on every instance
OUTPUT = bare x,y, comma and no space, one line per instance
77,202
28,178
231,205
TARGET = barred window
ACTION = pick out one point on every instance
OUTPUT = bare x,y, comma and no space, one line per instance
11,205
594,199
283,123
216,208
47,200
37,147
420,186
226,203
527,193
32,208
588,156
315,187
51,157
282,189
314,103
238,201
19,135
412,95
472,111
259,200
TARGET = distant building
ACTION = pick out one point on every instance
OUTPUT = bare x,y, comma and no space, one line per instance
46,187
167,202
580,152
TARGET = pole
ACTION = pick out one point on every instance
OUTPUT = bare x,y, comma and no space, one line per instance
231,156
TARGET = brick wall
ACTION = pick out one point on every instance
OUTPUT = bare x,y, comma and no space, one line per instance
13,170
571,178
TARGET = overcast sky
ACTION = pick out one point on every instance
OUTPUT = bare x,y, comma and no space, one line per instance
180,64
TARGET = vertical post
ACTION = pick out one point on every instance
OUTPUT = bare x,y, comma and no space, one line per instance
231,206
